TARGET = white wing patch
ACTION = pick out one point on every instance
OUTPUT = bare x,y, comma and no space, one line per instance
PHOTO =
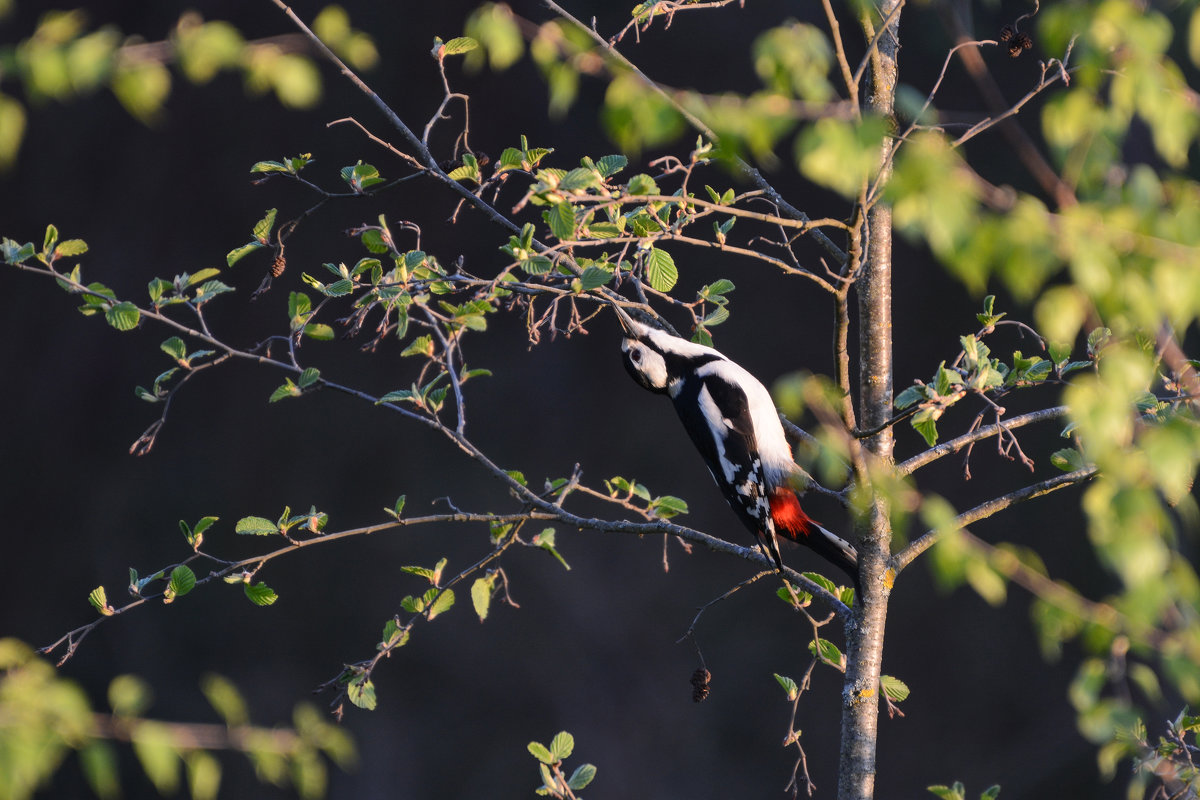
772,444
711,412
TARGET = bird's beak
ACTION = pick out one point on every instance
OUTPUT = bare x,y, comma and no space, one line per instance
626,321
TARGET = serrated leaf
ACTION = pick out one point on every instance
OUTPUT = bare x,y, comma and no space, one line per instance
182,580
593,278
611,165
661,272
894,688
481,595
561,219
442,603
605,230
123,316
287,389
431,575
561,746
827,651
459,45
255,526
925,423
175,348
361,692
262,228
539,751
238,253
99,601
1068,459
789,686
537,265
913,394
70,247
260,594
309,377
319,331
268,166
641,184
581,777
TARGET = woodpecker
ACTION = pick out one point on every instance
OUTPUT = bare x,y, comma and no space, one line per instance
730,418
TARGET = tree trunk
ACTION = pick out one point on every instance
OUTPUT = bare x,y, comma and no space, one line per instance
864,633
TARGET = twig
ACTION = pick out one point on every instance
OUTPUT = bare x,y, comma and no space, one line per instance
989,508
956,444
699,125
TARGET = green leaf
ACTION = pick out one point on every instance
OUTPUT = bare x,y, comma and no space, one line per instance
660,270
545,540
123,316
262,228
827,651
361,692
260,594
459,45
594,278
225,699
924,422
561,746
481,594
539,751
581,777
561,219
255,526
913,394
894,688
990,793
99,601
182,581
1068,459
309,377
361,176
319,331
238,253
955,792
668,506
989,317
642,184
442,603
433,575
175,348
287,389
789,686
611,165
398,508
70,247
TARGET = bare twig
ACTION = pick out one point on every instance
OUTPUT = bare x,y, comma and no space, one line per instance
989,508
958,443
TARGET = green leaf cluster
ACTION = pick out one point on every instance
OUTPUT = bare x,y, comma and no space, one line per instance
47,717
656,507
554,783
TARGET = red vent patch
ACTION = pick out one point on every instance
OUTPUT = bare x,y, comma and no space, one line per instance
790,519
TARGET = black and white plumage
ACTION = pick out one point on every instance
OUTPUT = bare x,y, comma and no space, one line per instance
732,421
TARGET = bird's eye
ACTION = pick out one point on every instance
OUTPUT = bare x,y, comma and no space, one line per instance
635,356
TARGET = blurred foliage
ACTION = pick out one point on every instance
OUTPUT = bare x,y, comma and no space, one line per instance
62,60
45,717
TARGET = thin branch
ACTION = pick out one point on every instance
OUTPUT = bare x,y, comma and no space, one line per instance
958,443
989,508
699,125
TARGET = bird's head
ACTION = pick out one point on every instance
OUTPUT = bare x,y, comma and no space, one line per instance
642,357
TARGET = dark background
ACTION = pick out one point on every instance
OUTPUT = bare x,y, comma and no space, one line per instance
592,650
